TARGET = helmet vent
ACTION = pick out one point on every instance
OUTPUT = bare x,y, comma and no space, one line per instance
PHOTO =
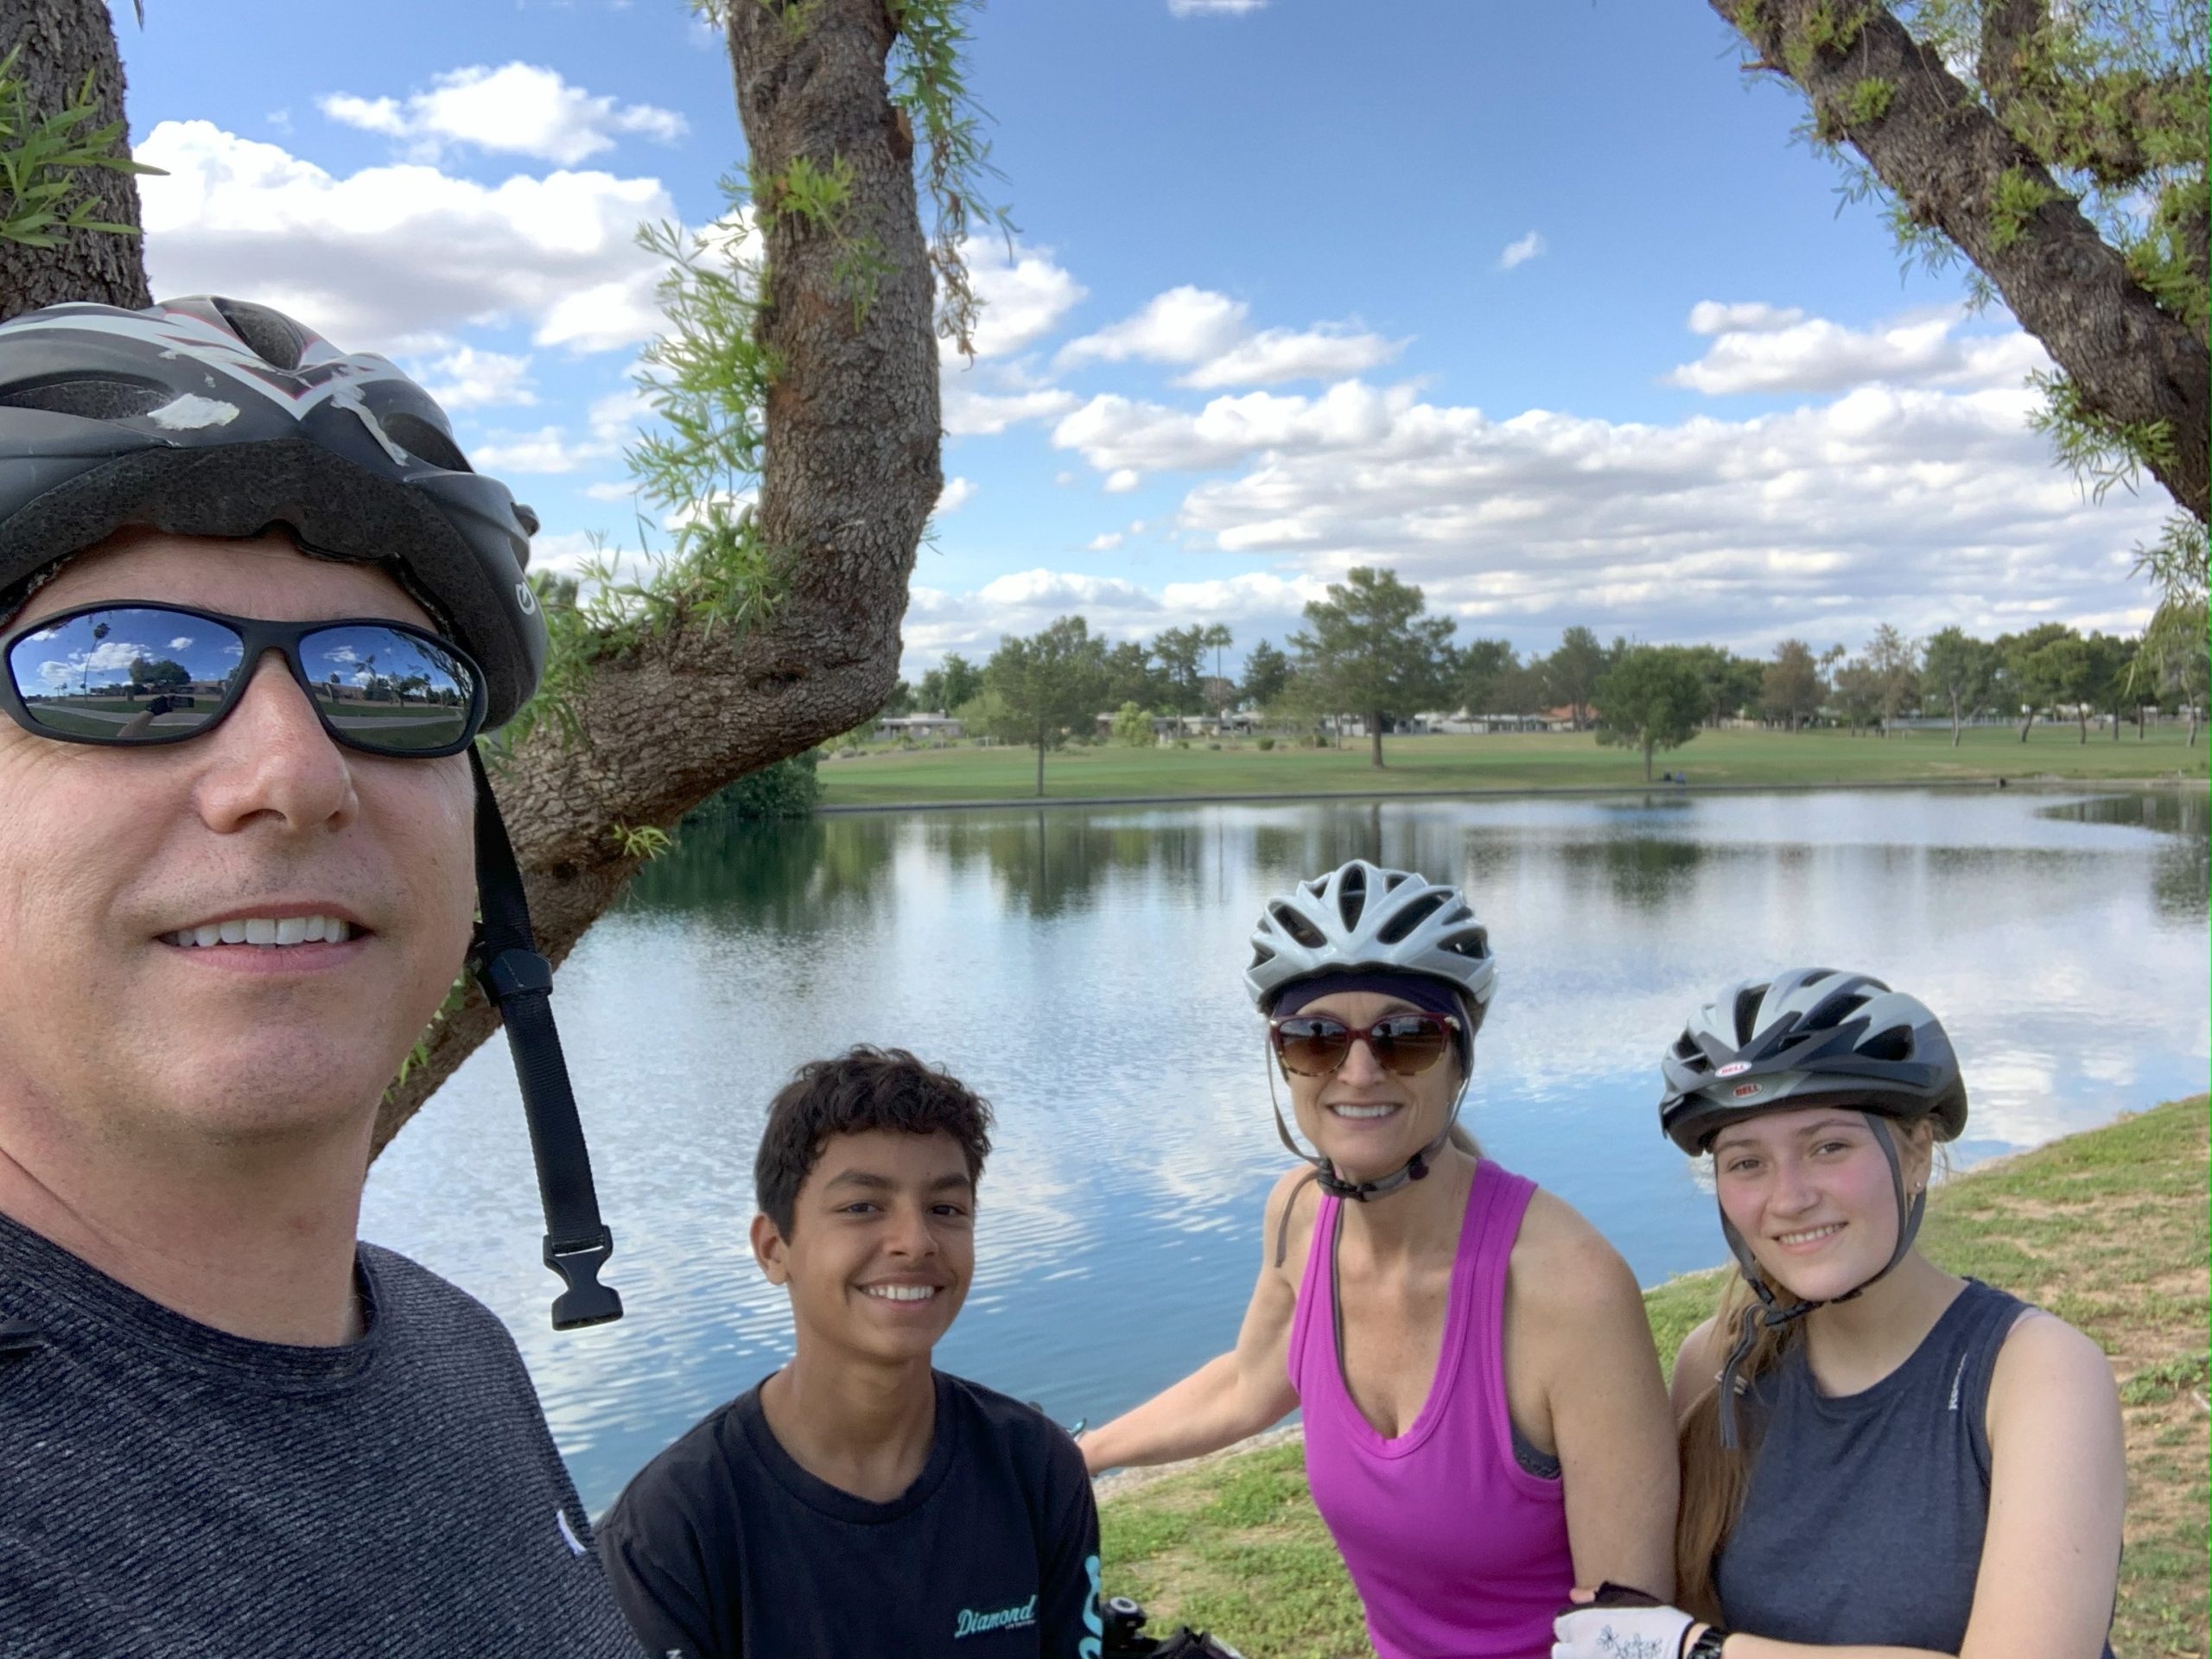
1474,943
421,439
1837,1013
1412,916
1686,1048
1297,926
1262,954
1398,878
1893,1045
273,337
1747,1013
1352,896
92,398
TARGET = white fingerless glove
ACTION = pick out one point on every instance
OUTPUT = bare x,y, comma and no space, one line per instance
1621,1633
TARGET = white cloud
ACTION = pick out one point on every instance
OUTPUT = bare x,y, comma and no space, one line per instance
549,449
970,413
1123,480
1278,354
1520,252
1258,604
183,642
468,379
1183,325
1757,348
623,491
1213,8
1745,317
518,109
1025,294
398,259
1106,543
1207,331
957,493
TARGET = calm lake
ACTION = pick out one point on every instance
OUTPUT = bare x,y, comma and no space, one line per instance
1081,967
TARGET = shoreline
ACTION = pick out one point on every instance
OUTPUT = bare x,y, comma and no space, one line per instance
2036,782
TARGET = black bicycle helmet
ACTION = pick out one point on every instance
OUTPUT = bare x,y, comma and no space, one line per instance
213,417
1812,1037
216,417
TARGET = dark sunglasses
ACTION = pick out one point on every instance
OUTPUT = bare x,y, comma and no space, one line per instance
1404,1044
131,672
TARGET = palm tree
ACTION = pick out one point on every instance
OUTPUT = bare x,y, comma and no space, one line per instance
85,679
1217,636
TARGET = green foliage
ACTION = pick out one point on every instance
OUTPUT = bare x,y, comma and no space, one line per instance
1572,673
2018,198
1869,100
792,788
640,841
1652,698
1263,744
1790,688
949,686
42,196
929,87
1047,687
1958,672
1267,672
2099,450
1133,726
1370,649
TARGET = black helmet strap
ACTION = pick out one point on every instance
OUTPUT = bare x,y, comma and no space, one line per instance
1771,1313
520,983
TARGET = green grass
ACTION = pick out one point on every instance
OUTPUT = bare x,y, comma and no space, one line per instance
2106,1227
1516,761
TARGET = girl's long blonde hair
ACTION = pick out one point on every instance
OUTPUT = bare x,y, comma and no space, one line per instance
1714,1478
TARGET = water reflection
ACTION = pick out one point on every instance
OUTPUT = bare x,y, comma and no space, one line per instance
1081,969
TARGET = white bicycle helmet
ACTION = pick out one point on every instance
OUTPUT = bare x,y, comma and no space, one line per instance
1362,917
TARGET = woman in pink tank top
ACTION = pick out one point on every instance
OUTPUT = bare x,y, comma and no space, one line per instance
1485,1425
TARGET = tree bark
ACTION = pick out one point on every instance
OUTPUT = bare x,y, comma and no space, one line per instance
1375,736
1942,155
850,474
2024,724
1041,768
1955,723
61,40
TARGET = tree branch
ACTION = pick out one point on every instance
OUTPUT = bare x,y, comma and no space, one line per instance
849,479
1953,165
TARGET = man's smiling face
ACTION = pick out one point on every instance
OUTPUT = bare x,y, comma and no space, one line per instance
107,1026
882,1244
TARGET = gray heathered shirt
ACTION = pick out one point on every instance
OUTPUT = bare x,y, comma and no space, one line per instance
166,1489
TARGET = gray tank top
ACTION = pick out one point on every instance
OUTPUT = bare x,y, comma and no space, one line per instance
1863,1519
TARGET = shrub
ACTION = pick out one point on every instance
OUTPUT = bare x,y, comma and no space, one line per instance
789,789
1264,743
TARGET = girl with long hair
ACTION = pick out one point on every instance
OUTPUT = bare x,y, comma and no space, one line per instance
1879,1458
1485,1425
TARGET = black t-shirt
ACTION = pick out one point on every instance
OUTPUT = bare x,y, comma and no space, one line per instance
723,1546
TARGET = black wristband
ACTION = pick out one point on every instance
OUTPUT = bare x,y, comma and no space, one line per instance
1707,1646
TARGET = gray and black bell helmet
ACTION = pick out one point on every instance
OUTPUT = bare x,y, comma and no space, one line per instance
1811,1037
217,418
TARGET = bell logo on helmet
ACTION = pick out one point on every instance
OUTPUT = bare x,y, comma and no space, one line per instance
526,599
1734,1068
1746,1090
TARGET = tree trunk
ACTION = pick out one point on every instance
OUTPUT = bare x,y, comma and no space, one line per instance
851,474
2081,713
61,40
1955,723
1647,763
1041,768
1942,155
2024,724
1375,736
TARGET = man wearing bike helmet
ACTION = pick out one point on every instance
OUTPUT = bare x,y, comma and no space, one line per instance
1485,1425
256,609
1876,1455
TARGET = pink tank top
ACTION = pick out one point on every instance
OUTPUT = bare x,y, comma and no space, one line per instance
1456,1550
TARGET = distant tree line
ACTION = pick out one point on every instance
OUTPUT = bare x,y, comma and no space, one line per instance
1370,649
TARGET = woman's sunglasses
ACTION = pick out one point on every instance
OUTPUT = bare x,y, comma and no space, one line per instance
1404,1044
134,672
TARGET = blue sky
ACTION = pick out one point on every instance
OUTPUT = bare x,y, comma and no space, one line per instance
1538,305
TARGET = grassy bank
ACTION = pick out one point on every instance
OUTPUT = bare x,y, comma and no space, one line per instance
1514,761
2107,1228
